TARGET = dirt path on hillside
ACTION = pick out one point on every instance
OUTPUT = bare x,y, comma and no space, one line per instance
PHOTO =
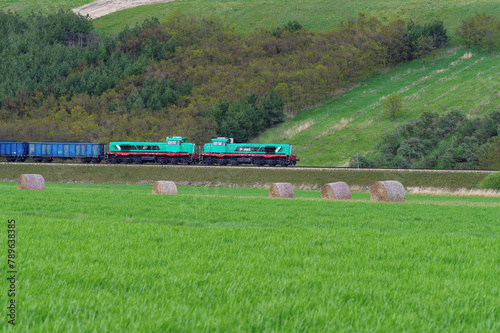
100,8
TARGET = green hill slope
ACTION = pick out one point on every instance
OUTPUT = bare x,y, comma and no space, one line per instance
313,15
247,16
351,123
24,7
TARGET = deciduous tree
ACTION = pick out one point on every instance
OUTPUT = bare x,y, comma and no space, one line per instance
393,105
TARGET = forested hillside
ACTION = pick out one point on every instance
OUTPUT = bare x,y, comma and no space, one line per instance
189,76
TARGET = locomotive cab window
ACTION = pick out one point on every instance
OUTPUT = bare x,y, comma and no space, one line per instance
268,149
219,143
173,142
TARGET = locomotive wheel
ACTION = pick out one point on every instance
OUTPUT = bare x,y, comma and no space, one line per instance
174,160
233,162
222,161
137,160
272,163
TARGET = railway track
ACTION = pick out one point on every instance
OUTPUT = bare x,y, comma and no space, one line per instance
247,167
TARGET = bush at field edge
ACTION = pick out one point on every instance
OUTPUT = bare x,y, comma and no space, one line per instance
492,181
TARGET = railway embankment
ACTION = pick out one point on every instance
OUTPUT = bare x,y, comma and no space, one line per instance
303,178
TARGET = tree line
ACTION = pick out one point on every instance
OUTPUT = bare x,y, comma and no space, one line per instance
194,77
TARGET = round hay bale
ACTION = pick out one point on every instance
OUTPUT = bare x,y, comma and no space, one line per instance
31,182
281,190
337,190
164,187
388,191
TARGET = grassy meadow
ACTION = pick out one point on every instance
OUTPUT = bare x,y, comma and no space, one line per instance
117,258
248,16
314,15
43,6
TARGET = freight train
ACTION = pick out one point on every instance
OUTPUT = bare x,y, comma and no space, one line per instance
87,152
175,150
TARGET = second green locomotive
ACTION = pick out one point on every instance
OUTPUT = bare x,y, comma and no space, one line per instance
223,151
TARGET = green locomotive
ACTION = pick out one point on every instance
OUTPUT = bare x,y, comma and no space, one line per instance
223,151
174,150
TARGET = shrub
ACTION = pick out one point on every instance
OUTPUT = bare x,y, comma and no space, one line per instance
492,181
481,31
449,122
488,155
361,162
412,149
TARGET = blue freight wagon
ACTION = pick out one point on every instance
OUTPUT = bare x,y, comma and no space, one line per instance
14,151
48,151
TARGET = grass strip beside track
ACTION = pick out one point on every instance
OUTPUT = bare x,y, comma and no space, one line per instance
242,177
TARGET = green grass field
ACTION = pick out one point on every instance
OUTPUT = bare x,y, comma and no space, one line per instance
117,258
